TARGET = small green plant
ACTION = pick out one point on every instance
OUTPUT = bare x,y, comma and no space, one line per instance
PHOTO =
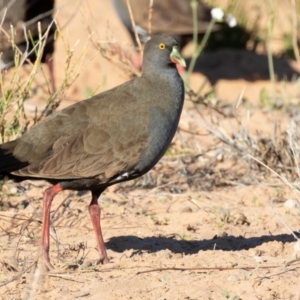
223,217
164,221
254,199
31,235
183,237
16,89
288,46
225,294
142,212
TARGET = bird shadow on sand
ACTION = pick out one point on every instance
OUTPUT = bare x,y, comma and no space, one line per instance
228,243
233,64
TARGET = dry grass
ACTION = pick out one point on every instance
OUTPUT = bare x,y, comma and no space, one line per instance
24,83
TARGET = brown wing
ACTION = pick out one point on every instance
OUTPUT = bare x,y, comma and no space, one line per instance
88,155
85,140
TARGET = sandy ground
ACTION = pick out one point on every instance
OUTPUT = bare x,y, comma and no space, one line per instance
204,224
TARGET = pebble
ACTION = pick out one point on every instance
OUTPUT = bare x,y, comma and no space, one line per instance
255,252
186,210
13,190
221,234
291,203
297,246
165,253
258,259
86,264
233,278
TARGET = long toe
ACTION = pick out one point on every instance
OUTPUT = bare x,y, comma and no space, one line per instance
46,260
103,260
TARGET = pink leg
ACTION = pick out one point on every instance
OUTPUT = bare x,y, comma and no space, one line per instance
49,194
49,62
94,211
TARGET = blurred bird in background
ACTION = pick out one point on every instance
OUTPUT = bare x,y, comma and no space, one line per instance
144,18
20,29
168,16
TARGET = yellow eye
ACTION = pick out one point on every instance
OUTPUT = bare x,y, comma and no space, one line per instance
162,46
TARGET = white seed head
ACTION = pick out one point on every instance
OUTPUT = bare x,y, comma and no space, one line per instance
217,13
231,21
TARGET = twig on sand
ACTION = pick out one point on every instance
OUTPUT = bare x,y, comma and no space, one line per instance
18,275
207,269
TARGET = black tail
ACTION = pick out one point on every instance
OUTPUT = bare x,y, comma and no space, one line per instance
8,162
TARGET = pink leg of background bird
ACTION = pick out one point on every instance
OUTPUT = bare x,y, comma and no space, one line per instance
50,65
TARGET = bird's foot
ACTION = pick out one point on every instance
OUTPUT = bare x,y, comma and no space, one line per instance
48,265
102,261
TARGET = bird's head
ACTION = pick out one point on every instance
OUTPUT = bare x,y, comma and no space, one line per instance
160,51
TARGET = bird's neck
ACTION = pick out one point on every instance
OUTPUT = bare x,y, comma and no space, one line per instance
158,72
168,86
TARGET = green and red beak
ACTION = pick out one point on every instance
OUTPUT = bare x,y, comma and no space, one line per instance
176,58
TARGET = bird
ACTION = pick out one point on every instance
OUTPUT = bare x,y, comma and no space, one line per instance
114,136
23,16
168,16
